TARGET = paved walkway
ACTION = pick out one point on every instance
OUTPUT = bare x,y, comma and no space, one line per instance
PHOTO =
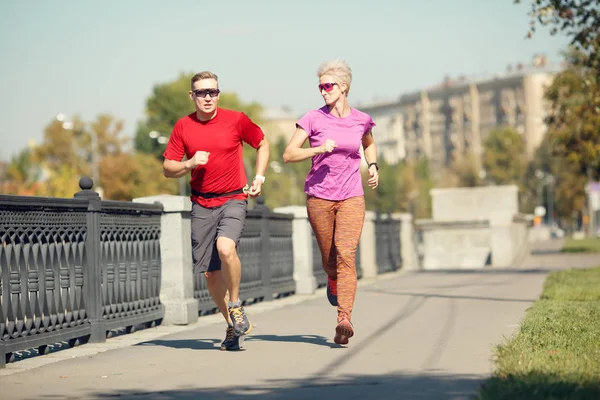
427,335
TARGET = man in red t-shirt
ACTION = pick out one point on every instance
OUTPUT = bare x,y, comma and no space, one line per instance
211,139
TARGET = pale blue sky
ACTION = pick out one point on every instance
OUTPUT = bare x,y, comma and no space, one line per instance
87,56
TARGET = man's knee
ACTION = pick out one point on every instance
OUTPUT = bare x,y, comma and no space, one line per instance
226,249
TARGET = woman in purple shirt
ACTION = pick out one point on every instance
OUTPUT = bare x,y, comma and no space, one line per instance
334,193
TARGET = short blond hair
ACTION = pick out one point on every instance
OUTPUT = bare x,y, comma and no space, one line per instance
339,69
203,75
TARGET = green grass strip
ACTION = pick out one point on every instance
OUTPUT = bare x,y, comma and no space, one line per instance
556,352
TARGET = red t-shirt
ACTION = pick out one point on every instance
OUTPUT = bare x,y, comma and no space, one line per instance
222,137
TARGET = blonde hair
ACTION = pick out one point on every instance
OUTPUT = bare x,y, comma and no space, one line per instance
339,69
204,75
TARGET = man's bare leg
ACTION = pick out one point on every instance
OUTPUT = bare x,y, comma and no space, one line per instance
231,268
218,292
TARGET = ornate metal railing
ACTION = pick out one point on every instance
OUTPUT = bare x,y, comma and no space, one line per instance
130,264
74,270
281,254
317,263
387,232
266,254
71,270
42,259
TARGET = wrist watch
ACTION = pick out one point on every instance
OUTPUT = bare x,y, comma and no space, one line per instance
375,164
260,178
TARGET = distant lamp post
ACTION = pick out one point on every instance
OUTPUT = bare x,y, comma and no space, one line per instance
160,139
546,180
95,159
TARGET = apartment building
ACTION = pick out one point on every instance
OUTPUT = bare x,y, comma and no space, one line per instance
457,115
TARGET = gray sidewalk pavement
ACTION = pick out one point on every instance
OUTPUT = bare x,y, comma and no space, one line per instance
423,335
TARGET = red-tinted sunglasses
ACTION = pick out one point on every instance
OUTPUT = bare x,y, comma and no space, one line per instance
328,87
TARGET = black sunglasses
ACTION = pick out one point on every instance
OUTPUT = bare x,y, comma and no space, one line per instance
203,92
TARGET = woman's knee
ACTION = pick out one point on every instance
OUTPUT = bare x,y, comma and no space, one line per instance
347,256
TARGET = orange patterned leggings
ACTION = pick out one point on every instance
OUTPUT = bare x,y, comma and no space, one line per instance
337,226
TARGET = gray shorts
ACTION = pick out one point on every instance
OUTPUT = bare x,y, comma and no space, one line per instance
208,224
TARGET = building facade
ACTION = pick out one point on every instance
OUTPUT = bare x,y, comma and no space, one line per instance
456,117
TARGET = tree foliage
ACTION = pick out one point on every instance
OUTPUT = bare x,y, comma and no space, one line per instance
68,151
137,175
578,19
571,149
463,171
403,187
503,157
21,176
574,120
54,167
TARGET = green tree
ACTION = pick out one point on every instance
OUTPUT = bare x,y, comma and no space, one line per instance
21,175
69,148
60,145
385,197
503,158
542,164
67,151
135,175
421,197
462,172
574,120
403,187
571,152
579,20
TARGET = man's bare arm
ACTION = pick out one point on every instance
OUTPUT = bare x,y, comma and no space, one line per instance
177,169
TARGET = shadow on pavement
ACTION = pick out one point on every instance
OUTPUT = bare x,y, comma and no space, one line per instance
310,339
214,344
389,386
192,344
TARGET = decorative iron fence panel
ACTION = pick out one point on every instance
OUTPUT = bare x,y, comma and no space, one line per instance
130,264
265,251
318,271
42,258
281,255
250,251
359,271
387,232
73,269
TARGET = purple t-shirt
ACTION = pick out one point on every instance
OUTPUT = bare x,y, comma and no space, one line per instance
336,175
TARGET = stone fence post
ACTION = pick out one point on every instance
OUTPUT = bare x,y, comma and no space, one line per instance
408,246
303,249
368,246
177,286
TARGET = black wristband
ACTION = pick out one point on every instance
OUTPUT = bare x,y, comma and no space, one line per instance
375,164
